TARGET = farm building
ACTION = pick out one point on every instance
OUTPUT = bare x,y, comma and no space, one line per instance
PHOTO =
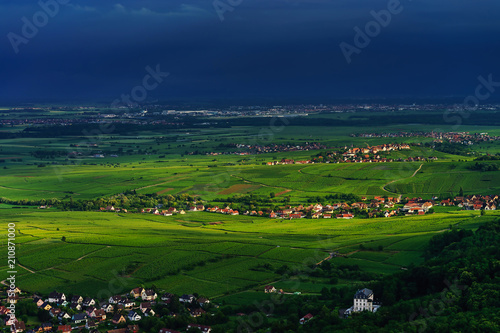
269,289
306,318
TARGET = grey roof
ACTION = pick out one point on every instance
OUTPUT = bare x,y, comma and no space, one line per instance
79,316
363,293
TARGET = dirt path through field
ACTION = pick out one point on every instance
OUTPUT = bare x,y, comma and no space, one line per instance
165,182
383,187
86,255
24,189
262,184
420,167
107,247
49,268
26,268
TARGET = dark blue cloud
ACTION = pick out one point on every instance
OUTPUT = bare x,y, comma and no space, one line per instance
98,50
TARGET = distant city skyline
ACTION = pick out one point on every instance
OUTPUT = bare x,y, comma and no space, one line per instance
257,51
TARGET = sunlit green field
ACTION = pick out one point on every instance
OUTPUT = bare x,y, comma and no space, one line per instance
109,252
439,178
155,162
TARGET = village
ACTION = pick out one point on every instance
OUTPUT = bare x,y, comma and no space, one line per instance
373,154
465,138
246,149
377,207
121,313
117,314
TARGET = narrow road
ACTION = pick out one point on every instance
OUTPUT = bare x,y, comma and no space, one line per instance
107,247
29,270
162,183
420,167
383,187
86,255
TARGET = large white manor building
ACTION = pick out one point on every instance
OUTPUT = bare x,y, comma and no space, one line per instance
363,301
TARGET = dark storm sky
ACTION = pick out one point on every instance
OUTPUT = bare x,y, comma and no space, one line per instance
263,49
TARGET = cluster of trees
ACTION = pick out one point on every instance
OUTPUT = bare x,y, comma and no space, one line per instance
495,157
340,197
129,200
453,148
336,272
251,202
484,167
48,154
27,202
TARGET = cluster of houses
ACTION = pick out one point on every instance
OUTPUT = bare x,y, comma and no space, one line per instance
245,149
456,137
157,211
378,205
473,202
80,312
288,212
172,210
376,149
358,155
385,206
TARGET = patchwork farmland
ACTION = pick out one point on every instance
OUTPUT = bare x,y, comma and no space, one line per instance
188,254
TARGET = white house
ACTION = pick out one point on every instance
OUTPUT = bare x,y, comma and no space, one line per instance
55,297
134,316
79,318
148,295
87,301
363,301
186,298
127,303
77,299
115,299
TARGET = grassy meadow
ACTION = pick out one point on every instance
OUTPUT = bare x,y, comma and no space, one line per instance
109,253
